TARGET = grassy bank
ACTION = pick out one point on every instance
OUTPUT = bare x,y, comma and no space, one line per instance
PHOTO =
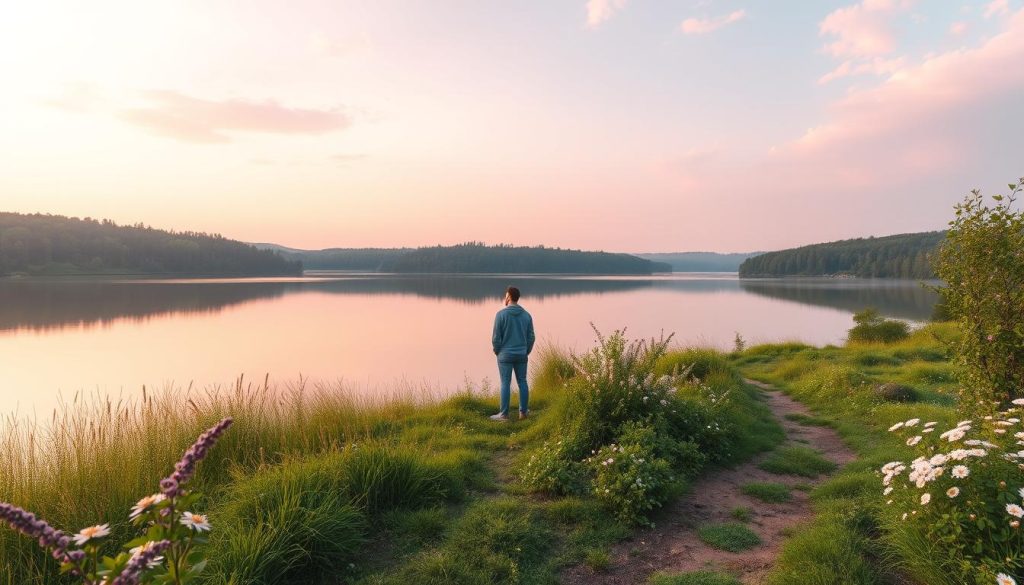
312,485
862,390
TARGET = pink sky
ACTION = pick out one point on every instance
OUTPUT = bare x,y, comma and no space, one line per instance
627,125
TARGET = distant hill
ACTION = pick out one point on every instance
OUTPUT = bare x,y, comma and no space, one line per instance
701,261
472,257
362,259
38,244
898,256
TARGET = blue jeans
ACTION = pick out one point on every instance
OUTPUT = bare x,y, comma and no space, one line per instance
506,364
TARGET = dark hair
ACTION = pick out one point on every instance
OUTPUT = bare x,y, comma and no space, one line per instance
513,292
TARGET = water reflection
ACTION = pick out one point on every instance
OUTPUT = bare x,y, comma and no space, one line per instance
903,299
55,304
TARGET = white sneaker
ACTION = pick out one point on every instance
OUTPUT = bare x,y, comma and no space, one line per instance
499,417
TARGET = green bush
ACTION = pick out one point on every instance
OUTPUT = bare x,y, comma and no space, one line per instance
383,477
983,268
871,327
630,479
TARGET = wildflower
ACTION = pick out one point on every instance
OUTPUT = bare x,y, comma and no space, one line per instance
904,516
963,423
930,423
56,541
145,503
197,522
911,422
914,440
86,534
887,491
146,548
186,467
1015,510
1018,402
960,471
953,492
132,573
925,498
896,427
1004,579
1021,492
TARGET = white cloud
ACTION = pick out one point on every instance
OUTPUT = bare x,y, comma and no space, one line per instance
699,26
599,11
997,8
957,29
862,30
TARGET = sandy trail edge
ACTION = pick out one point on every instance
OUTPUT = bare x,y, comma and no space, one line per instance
673,546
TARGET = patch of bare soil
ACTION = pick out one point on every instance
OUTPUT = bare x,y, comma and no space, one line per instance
673,545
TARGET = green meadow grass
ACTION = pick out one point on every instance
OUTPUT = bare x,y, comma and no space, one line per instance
847,541
314,485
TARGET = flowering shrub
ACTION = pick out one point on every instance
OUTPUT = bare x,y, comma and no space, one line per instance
629,478
964,492
625,434
165,554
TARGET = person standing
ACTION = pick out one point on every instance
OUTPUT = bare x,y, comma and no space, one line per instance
512,341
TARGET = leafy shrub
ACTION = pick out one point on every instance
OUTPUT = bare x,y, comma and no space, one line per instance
628,435
982,264
871,327
893,392
630,479
963,495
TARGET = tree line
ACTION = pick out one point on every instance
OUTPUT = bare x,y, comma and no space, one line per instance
899,256
54,244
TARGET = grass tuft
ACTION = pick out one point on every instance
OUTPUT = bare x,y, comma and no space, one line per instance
797,460
694,578
773,493
729,536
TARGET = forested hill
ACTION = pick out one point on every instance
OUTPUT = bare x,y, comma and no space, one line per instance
56,245
899,256
472,257
480,258
362,259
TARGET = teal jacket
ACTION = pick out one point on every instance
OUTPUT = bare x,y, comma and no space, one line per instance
513,333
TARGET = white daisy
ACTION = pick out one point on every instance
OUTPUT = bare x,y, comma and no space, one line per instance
197,522
1004,579
86,534
141,549
914,440
960,471
895,427
145,503
911,422
953,492
925,498
1015,510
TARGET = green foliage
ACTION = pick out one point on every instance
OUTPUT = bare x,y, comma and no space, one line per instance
797,460
982,265
770,492
598,559
694,578
899,256
54,244
871,327
729,536
825,553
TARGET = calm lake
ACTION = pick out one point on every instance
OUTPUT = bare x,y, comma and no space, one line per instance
379,333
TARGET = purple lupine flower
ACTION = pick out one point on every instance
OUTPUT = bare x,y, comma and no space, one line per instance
186,467
48,537
132,573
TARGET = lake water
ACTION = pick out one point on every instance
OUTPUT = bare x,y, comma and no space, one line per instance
376,332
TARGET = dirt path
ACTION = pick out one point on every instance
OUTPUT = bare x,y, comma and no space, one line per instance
673,546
